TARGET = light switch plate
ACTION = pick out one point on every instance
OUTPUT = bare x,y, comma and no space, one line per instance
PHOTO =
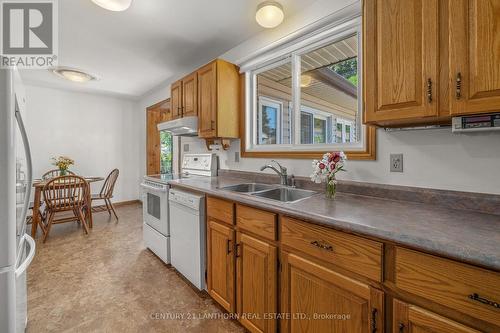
186,147
396,162
236,156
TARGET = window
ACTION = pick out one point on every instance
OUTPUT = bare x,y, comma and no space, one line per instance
165,152
269,120
306,96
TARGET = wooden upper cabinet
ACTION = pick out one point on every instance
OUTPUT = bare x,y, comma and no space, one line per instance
190,95
401,57
320,293
411,319
474,27
218,100
256,283
176,99
207,100
220,264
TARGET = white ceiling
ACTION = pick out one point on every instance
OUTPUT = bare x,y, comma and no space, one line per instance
153,42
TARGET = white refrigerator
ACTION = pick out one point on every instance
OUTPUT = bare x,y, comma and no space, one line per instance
16,247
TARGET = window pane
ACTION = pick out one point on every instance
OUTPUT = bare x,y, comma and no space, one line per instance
319,130
306,128
274,102
338,133
269,121
165,152
347,133
328,88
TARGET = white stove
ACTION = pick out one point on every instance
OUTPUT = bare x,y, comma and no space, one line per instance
155,201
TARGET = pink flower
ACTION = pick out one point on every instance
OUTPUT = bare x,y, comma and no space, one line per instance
332,166
336,157
321,166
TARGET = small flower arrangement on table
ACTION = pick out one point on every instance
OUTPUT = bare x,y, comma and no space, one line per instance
325,170
62,163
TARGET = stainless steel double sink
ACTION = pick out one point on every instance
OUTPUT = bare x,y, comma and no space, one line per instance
273,192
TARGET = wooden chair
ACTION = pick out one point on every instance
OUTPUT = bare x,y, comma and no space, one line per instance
106,194
64,194
55,173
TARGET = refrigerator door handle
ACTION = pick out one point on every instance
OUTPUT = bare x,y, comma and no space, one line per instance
29,258
29,165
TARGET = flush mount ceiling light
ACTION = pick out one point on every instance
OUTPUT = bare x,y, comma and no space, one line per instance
114,5
73,74
269,14
305,80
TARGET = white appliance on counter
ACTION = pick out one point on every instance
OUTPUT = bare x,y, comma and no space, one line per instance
155,203
17,248
187,232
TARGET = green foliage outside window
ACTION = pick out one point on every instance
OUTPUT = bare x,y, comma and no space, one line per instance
166,146
347,69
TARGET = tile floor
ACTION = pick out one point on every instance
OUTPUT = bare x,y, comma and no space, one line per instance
108,282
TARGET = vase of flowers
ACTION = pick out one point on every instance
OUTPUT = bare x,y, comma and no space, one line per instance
62,163
325,170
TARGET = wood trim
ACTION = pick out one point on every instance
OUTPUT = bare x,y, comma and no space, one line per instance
155,114
369,153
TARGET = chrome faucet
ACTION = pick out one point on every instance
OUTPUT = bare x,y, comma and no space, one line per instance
282,172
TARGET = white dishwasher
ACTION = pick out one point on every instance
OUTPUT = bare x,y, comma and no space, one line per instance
187,235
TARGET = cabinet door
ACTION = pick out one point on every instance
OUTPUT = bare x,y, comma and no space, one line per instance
401,55
176,99
220,266
190,95
207,100
321,300
411,319
474,56
256,295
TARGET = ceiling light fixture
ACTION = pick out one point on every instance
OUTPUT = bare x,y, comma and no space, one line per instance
114,5
269,14
73,74
305,80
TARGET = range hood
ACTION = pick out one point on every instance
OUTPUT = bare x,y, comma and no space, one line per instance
187,126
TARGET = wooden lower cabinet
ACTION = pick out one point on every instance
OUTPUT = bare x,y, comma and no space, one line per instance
318,299
408,318
256,283
220,264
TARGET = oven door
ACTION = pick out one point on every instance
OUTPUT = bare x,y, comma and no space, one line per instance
155,207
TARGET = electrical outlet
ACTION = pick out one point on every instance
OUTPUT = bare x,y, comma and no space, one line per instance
396,162
236,156
186,147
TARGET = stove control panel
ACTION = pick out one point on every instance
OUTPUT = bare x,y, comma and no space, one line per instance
200,164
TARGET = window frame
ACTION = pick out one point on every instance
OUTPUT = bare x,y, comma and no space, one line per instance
365,149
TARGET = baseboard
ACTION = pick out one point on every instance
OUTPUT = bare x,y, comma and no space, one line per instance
119,204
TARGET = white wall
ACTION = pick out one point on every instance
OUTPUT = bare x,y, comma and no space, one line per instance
99,132
432,158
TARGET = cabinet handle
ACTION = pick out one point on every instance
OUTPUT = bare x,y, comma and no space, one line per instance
238,251
401,328
322,246
458,93
179,111
429,90
476,297
228,244
212,124
374,320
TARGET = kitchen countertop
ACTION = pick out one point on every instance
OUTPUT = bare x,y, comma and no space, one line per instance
462,235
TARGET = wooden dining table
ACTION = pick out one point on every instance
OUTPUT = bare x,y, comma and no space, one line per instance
38,184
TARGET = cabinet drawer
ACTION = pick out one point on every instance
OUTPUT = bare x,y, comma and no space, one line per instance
450,283
221,210
259,222
357,254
